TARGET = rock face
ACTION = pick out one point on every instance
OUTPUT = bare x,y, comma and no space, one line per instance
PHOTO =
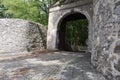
18,35
106,47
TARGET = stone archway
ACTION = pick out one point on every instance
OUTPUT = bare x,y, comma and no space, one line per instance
58,13
70,37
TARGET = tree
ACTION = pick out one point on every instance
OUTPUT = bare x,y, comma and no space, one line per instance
34,10
3,9
77,32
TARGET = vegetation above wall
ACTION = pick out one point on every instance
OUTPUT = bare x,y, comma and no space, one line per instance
33,10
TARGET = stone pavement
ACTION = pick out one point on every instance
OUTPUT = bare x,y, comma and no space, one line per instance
49,66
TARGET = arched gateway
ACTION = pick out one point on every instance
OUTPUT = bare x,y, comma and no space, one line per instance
60,14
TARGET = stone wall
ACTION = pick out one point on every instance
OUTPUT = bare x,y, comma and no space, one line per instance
18,35
106,47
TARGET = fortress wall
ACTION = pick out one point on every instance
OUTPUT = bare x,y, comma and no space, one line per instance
17,35
106,47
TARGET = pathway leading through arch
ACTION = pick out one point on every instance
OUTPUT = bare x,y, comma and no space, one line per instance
72,32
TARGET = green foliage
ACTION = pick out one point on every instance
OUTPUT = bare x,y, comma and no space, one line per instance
3,9
33,10
77,32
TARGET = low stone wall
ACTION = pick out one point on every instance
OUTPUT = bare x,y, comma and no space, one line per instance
18,35
106,47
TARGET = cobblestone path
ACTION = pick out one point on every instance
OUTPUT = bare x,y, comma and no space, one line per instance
49,66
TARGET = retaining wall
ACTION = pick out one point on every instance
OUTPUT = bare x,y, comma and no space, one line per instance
17,35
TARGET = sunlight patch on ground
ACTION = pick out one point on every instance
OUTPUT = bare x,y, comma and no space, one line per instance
45,63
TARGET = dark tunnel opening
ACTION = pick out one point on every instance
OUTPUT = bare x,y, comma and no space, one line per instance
73,33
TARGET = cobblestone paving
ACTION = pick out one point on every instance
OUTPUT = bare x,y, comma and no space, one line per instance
51,66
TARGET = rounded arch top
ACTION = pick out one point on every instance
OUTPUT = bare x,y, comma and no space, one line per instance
72,12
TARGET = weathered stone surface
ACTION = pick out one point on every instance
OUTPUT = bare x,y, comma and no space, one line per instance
107,37
71,1
117,49
18,35
117,66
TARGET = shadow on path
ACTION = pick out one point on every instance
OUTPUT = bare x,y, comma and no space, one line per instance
59,65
